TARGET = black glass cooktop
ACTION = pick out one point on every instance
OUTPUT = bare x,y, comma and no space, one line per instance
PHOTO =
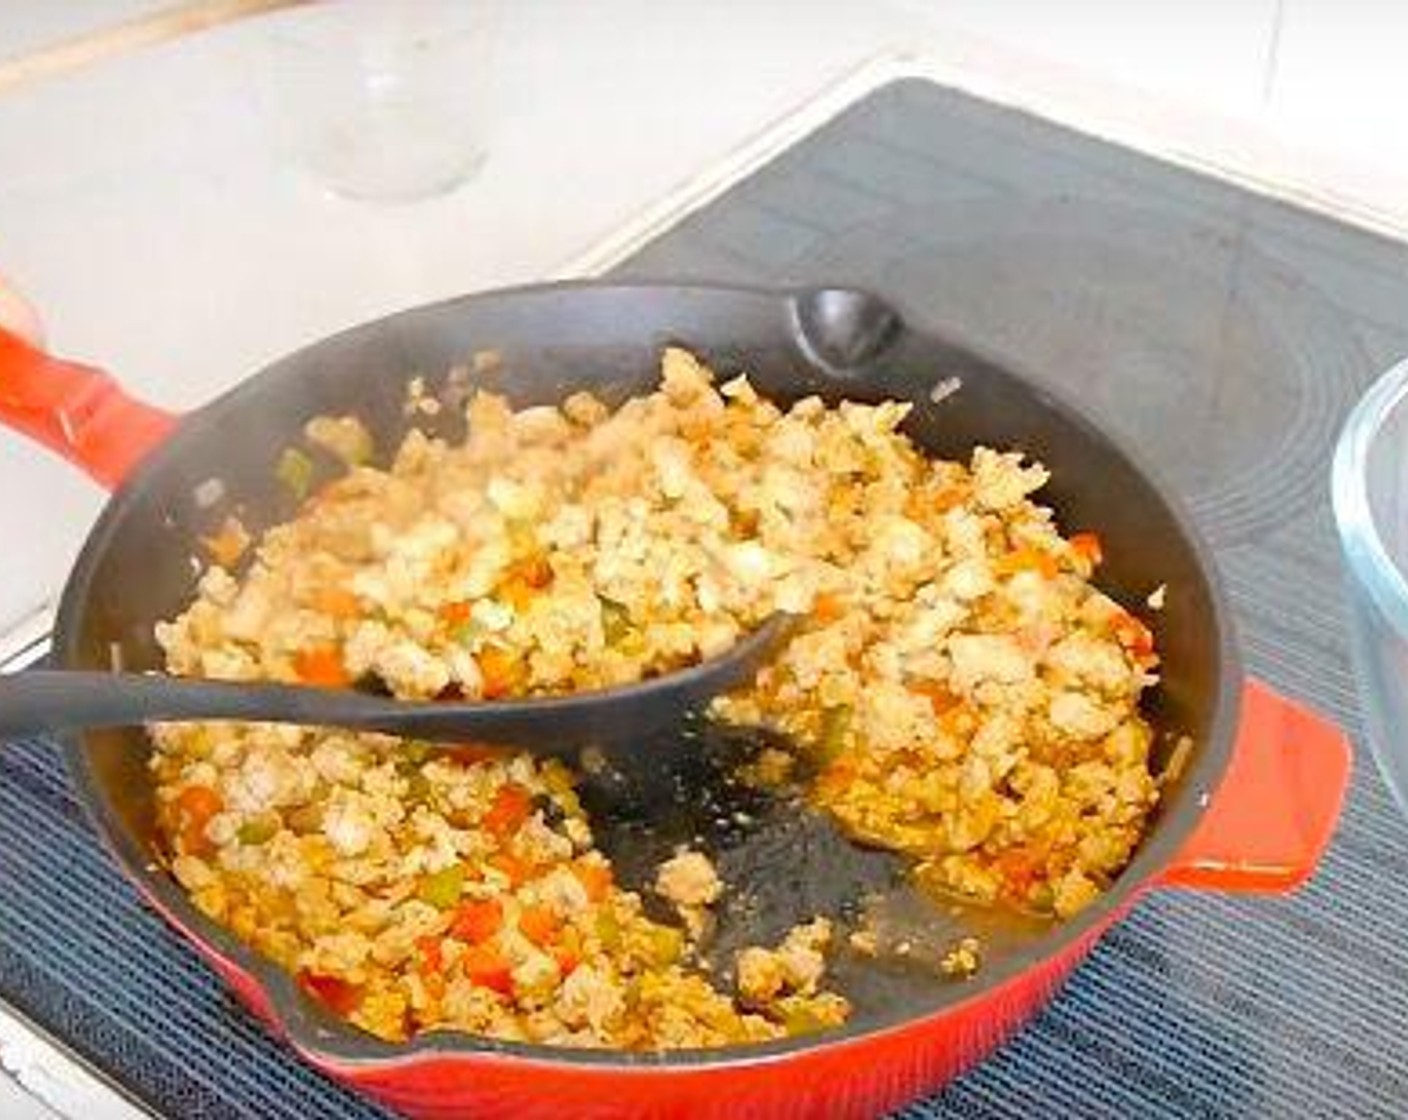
1228,335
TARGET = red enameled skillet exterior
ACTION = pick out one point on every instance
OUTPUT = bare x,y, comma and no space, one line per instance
1252,811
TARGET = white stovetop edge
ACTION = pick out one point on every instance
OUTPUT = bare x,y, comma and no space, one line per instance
1224,149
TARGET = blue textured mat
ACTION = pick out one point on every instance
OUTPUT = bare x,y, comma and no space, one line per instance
1229,335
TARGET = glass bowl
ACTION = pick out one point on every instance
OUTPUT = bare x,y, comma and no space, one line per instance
1370,494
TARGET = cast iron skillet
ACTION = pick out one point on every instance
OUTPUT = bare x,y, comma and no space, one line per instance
912,1028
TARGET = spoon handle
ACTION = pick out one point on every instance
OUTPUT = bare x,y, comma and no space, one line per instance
44,701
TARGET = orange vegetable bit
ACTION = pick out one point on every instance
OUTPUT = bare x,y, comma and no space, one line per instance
486,966
1088,547
227,544
834,780
951,497
338,995
512,806
595,879
477,920
337,602
471,754
195,806
828,607
940,698
432,959
1131,633
518,870
535,571
1027,559
321,665
1019,869
540,925
456,613
524,580
499,670
567,951
957,720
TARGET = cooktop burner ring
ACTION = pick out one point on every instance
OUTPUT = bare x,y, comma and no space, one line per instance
1224,365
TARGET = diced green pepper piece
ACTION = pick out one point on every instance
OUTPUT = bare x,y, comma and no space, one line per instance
835,723
442,889
418,788
295,470
666,945
615,621
608,930
803,1020
260,829
416,752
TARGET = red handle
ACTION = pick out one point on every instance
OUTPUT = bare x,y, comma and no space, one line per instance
76,410
1276,809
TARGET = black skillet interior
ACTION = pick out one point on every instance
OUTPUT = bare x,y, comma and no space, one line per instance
782,863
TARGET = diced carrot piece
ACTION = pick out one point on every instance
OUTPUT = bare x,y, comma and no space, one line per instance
456,613
567,951
337,994
539,924
595,879
499,671
470,754
1019,868
940,698
1088,546
477,920
432,960
827,607
518,870
524,580
1027,559
535,571
956,719
1131,633
196,805
321,665
337,602
950,497
199,803
487,967
517,594
512,806
228,543
833,781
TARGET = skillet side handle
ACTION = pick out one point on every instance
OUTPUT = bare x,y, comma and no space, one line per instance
77,411
1272,818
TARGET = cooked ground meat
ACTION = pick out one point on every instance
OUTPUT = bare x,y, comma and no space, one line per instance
963,691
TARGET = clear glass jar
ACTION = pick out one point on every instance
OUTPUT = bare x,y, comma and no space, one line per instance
382,100
1370,494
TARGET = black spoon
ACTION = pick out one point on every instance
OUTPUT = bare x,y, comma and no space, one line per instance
43,701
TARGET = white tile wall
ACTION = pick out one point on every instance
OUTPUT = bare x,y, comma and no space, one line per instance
1339,80
1327,79
1207,53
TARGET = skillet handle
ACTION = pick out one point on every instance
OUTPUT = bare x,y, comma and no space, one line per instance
76,410
1272,818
